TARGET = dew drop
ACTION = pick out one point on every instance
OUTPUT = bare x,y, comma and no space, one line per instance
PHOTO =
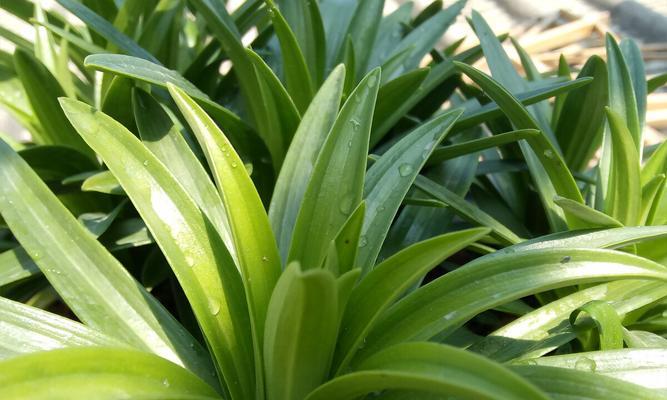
355,124
531,362
190,261
265,258
405,169
346,204
165,382
213,306
565,259
145,163
363,241
349,144
549,154
585,364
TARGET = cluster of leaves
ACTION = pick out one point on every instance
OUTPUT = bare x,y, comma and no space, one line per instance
315,216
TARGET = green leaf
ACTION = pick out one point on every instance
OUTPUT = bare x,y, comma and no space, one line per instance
545,329
622,98
467,210
564,72
448,302
475,115
563,384
348,240
256,251
155,74
655,165
607,321
443,153
643,367
644,340
438,74
579,131
97,288
106,30
301,329
393,93
542,157
426,35
635,62
389,179
336,183
287,115
43,90
651,198
99,373
585,216
163,138
102,182
98,222
623,201
299,82
387,282
193,248
656,82
431,368
305,20
69,162
27,329
16,265
362,30
301,157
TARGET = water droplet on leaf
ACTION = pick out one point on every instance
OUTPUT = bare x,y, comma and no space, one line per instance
363,241
213,306
405,169
585,364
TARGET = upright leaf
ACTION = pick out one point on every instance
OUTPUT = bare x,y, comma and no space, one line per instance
255,246
300,335
389,179
336,184
624,194
301,157
97,288
387,282
191,245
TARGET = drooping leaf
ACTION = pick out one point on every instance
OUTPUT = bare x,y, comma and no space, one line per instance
451,300
560,383
428,367
27,329
99,373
